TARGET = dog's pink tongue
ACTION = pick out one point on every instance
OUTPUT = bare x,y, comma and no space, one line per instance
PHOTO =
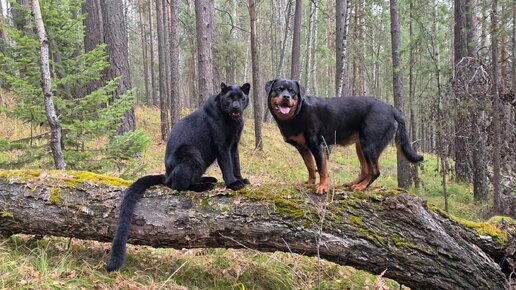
284,110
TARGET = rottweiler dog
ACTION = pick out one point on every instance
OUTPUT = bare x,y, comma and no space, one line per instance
210,133
312,124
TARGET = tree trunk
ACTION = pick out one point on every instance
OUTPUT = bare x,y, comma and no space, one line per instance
420,248
403,167
463,170
3,31
279,68
154,92
296,41
145,58
115,37
341,21
46,86
93,34
175,74
412,92
257,87
496,109
204,10
163,94
309,47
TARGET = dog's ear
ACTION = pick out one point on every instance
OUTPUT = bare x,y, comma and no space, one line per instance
223,87
300,89
245,88
268,86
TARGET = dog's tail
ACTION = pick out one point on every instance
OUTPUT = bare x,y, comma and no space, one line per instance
403,141
131,197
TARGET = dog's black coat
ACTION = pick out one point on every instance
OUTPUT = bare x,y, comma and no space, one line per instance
210,133
366,121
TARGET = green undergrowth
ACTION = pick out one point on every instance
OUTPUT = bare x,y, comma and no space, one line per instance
58,263
277,174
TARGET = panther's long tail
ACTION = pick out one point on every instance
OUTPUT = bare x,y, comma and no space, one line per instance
403,140
131,197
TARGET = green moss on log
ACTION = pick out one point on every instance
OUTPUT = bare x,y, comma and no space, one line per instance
65,177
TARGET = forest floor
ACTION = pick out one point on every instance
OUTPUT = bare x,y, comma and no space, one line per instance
60,263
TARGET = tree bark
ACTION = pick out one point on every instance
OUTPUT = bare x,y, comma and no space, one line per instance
341,33
257,87
154,92
403,167
496,109
163,93
46,86
295,70
143,38
175,74
420,248
204,10
93,34
116,39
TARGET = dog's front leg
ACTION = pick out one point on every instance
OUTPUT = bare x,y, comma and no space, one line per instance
308,158
321,159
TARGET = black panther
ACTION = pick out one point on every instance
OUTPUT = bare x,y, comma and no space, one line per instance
313,124
210,133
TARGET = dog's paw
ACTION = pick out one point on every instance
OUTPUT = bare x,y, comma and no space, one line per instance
321,189
239,184
245,181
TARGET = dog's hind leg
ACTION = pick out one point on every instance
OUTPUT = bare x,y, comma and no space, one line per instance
364,168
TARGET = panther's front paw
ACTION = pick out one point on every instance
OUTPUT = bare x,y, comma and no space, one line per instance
239,184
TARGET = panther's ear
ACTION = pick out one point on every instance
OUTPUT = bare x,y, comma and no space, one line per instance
245,88
268,86
223,87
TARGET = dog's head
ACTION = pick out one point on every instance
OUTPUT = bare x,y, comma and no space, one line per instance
285,98
234,99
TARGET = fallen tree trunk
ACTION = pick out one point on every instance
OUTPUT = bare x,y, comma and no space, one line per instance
419,247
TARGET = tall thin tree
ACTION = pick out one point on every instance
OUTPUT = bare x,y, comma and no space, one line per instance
496,108
93,34
115,36
403,168
257,88
296,42
46,86
204,10
341,34
163,93
174,78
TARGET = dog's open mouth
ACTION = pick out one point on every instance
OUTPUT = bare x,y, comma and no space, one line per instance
283,108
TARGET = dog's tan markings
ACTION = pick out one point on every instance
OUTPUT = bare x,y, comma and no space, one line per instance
368,180
309,160
298,139
324,176
363,166
275,103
